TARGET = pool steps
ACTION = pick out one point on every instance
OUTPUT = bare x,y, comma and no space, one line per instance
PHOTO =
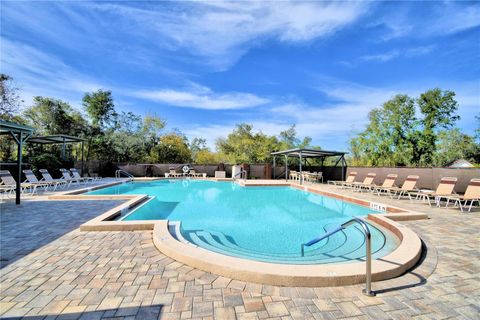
218,242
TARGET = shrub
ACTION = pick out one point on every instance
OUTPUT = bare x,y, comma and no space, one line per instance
46,161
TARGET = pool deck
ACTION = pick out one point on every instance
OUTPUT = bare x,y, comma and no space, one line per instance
51,269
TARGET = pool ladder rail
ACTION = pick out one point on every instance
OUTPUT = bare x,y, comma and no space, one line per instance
242,174
368,256
118,174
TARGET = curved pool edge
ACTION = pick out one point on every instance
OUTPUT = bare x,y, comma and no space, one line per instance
396,263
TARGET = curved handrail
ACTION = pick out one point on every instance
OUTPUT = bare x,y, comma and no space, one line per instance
119,173
368,256
240,174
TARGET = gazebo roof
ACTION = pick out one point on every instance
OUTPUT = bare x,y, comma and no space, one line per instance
55,139
308,153
7,127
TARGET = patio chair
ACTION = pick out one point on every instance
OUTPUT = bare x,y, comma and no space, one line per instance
367,182
48,178
75,174
472,194
32,179
7,182
293,175
194,174
389,182
350,179
445,188
173,174
6,191
408,187
319,176
67,177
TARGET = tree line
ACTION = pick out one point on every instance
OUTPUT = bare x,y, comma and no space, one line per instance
114,136
403,131
420,131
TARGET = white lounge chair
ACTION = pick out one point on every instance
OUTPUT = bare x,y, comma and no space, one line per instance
76,174
7,182
32,179
48,178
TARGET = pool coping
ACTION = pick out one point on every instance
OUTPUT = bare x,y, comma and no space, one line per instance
400,260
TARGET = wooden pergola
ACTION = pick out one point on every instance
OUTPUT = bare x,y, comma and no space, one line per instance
302,154
20,134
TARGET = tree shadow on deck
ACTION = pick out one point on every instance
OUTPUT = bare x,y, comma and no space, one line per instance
152,312
33,224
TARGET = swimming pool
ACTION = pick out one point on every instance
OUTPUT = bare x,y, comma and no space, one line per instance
260,223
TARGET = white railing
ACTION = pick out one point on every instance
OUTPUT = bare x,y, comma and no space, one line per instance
118,174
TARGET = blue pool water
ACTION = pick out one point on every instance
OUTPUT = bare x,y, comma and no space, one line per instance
260,223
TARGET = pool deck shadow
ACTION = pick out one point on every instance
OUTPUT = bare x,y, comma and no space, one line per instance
29,226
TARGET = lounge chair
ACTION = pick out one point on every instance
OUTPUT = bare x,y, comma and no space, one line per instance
472,194
67,177
408,187
48,178
32,179
76,174
350,179
389,182
174,174
7,182
6,191
367,182
445,188
194,174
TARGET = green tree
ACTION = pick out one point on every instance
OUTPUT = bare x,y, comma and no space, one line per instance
245,145
453,145
288,139
205,156
477,130
53,116
100,107
387,137
10,100
438,109
172,148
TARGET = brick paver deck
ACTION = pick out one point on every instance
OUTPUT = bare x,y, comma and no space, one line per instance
52,270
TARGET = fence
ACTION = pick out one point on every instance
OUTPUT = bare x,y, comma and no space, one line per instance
429,177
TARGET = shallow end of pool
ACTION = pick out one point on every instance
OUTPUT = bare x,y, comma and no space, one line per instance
404,257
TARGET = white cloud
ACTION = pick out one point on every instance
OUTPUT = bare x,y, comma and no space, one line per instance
221,32
201,97
43,74
442,18
407,53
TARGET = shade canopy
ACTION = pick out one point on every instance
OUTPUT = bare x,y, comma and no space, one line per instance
308,153
303,154
7,127
20,133
55,139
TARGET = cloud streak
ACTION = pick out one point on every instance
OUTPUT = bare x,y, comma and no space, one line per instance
394,54
201,97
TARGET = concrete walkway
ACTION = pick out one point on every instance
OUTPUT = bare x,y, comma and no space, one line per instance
52,270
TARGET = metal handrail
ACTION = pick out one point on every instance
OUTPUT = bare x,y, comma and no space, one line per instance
119,172
240,174
368,256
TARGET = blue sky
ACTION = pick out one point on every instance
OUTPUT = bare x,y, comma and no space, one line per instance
205,66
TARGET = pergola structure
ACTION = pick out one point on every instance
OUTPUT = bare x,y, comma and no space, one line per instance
302,154
20,134
58,139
